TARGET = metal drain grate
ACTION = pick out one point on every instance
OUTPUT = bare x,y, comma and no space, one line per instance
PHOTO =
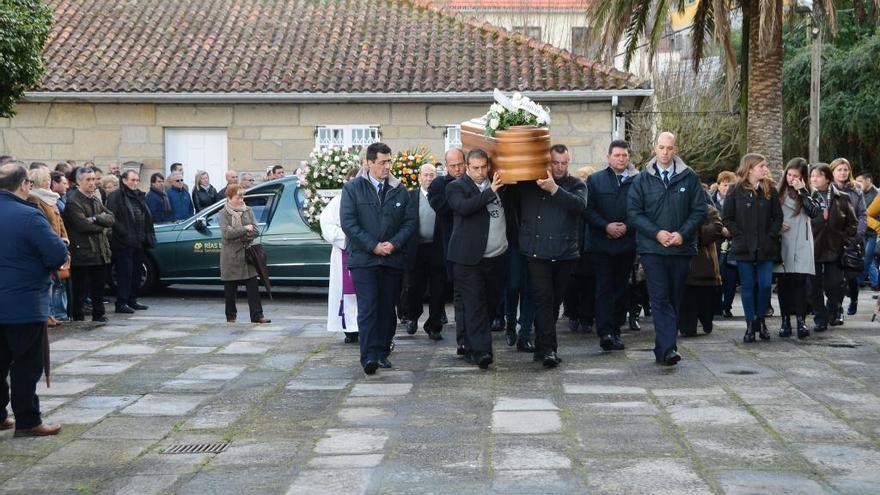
197,448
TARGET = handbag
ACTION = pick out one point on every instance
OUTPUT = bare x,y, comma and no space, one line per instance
853,258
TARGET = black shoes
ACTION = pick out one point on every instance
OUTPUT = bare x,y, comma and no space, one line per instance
351,338
137,306
435,335
802,331
820,327
586,327
838,318
100,319
412,327
763,333
510,337
727,313
611,343
124,309
853,307
371,367
750,331
634,325
462,351
483,360
524,345
671,358
785,330
550,360
384,363
574,325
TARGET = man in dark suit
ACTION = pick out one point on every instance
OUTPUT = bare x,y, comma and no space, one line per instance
378,223
425,262
454,163
477,247
612,242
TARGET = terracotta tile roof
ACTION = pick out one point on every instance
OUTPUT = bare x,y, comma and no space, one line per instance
300,46
531,5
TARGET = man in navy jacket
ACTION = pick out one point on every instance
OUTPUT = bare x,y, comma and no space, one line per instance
612,242
378,224
30,251
666,205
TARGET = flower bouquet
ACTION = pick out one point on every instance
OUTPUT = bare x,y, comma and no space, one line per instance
322,177
407,163
517,110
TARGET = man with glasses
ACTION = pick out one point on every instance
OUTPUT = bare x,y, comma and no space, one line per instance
132,234
378,223
178,196
231,178
87,221
31,250
247,180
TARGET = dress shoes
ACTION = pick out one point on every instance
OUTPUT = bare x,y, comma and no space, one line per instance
385,364
838,318
7,424
124,309
586,327
41,430
820,327
671,358
371,367
100,319
497,325
484,360
412,327
137,306
727,313
262,320
853,307
550,360
611,343
351,338
510,337
634,325
524,345
230,319
435,335
574,325
462,351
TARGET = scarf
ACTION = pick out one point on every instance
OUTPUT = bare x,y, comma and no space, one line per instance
235,214
46,196
165,201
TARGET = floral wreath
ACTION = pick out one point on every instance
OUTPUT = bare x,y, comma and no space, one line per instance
407,163
322,178
517,110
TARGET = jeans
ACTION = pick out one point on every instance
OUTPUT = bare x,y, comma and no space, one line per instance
666,276
518,292
549,280
378,290
58,298
752,273
21,358
871,271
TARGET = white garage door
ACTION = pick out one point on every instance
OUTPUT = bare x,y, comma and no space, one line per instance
197,149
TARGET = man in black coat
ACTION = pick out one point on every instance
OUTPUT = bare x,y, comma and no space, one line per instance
549,238
437,199
133,233
378,224
425,261
612,242
477,248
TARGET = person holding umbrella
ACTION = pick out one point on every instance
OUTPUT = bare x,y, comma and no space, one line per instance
239,229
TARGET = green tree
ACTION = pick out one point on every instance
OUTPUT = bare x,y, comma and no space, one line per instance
24,30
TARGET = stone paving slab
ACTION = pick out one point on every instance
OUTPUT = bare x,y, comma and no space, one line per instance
301,417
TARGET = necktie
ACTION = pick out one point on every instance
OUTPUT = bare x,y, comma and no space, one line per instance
619,180
666,178
381,191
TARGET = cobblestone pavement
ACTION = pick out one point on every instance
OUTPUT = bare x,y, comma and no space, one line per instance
779,417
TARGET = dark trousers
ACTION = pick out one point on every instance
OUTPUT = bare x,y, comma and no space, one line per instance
699,304
21,358
666,276
579,301
129,270
230,291
793,293
549,280
378,290
612,286
729,279
88,280
429,273
827,291
479,287
518,294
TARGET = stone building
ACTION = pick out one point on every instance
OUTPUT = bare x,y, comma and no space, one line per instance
247,84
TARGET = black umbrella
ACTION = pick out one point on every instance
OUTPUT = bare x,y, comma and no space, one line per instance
256,256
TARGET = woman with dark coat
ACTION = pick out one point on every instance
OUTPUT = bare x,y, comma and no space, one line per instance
239,229
798,260
204,194
845,183
835,225
754,218
704,278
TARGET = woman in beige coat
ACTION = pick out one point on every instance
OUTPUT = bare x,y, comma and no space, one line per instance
47,201
238,229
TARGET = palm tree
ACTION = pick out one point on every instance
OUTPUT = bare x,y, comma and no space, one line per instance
636,21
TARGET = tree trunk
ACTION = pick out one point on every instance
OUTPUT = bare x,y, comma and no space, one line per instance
744,82
765,88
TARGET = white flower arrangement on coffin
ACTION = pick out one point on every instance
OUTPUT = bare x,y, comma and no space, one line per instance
322,178
517,110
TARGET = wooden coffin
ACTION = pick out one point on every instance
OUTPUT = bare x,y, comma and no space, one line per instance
521,153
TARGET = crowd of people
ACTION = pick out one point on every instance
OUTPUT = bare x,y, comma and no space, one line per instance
603,243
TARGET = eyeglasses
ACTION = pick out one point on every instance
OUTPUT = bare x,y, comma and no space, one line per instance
177,180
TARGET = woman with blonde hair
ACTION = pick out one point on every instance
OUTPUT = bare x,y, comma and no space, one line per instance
845,183
753,215
47,201
203,194
109,184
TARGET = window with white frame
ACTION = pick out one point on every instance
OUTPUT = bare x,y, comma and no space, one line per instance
346,136
453,137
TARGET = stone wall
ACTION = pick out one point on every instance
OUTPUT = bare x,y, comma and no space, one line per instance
259,135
